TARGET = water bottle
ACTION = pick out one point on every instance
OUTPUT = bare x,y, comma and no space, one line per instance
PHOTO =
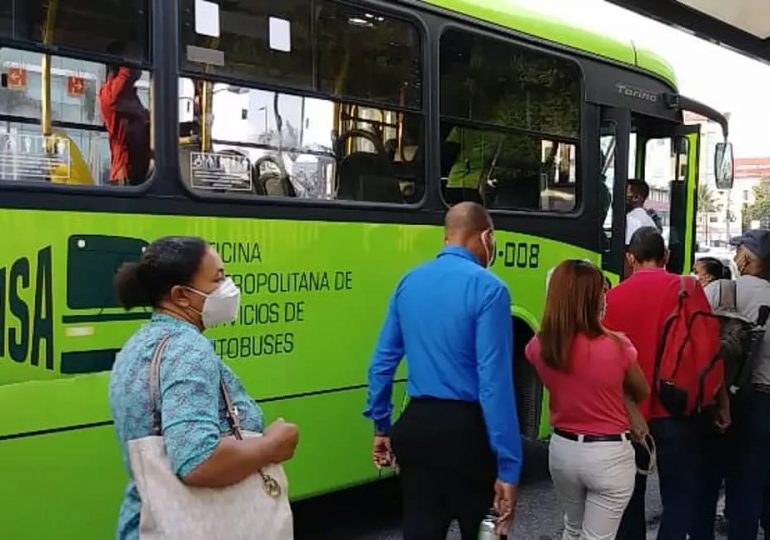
488,528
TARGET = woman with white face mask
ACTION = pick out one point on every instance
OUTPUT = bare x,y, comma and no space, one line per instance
183,280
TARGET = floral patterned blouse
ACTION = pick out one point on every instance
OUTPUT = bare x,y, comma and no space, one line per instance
192,407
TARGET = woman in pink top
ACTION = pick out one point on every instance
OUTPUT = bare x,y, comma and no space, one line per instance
588,371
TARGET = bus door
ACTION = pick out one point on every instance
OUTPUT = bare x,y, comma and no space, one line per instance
614,167
665,156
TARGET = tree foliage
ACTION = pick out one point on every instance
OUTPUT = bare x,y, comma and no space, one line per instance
760,209
707,199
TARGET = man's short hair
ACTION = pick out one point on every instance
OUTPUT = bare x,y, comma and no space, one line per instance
647,244
639,187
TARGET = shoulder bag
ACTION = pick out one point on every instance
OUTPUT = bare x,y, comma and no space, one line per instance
255,508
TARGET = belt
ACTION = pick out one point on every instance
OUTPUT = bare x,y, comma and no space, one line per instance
591,438
761,388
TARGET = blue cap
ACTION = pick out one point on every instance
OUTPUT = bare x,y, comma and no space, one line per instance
756,240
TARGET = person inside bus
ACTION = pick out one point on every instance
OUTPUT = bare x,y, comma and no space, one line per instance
637,217
471,152
184,282
127,122
457,444
708,270
587,371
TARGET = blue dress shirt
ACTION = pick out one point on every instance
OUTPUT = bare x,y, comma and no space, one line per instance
452,320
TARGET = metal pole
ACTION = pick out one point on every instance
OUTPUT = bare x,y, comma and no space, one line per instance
45,68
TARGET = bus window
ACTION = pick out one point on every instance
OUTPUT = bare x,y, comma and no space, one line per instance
369,56
251,42
245,140
665,167
64,139
67,118
509,127
82,25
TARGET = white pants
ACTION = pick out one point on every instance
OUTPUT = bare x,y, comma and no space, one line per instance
594,482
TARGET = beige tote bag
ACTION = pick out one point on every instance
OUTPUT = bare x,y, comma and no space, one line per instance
256,508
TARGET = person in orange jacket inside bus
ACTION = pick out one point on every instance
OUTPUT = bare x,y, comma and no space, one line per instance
127,122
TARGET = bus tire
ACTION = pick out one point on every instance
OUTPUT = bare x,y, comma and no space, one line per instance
527,385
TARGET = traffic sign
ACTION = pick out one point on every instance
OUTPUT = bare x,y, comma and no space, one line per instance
17,78
76,86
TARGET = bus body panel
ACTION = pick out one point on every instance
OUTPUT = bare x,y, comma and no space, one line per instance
326,287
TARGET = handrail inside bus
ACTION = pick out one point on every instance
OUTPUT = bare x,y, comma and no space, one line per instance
45,68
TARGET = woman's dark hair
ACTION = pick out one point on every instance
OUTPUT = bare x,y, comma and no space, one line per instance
714,267
167,262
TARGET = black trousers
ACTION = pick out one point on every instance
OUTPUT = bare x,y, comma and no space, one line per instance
676,440
448,469
742,458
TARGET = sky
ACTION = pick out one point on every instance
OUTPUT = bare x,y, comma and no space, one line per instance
728,81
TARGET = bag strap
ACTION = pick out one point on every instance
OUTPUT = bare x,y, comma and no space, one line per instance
271,486
647,443
154,383
682,294
728,295
231,411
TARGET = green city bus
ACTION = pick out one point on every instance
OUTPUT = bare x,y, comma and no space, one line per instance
316,144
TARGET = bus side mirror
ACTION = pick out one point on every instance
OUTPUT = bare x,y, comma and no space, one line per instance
724,165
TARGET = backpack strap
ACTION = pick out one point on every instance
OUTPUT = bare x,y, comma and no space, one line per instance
728,295
682,294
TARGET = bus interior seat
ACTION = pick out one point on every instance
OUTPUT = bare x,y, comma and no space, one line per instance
391,149
272,178
366,176
456,195
77,171
185,157
520,193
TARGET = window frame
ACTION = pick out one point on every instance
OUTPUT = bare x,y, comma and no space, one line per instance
508,37
148,65
424,113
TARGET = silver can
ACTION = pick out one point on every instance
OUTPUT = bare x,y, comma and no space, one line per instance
487,529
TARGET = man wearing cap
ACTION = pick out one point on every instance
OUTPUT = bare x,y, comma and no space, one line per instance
746,461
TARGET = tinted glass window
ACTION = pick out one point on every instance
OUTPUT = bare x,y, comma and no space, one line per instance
509,170
119,27
265,143
310,141
368,55
490,81
510,125
255,40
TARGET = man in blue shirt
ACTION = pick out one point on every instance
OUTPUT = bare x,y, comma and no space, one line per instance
457,444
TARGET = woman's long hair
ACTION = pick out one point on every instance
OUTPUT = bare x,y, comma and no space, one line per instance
573,306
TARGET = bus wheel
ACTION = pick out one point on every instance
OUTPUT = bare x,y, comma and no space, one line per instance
529,389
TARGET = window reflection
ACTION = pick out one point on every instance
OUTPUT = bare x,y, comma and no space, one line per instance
85,25
299,146
75,148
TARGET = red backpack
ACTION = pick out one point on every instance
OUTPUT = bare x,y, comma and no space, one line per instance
688,367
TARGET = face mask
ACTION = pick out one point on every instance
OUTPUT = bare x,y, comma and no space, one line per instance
221,305
490,251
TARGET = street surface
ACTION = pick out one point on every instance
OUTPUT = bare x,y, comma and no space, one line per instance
373,512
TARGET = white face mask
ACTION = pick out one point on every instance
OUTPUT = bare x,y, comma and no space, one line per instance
489,250
221,305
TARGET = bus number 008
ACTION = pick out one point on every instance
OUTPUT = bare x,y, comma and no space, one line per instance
521,255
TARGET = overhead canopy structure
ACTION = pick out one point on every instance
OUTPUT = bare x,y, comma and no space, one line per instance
743,25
